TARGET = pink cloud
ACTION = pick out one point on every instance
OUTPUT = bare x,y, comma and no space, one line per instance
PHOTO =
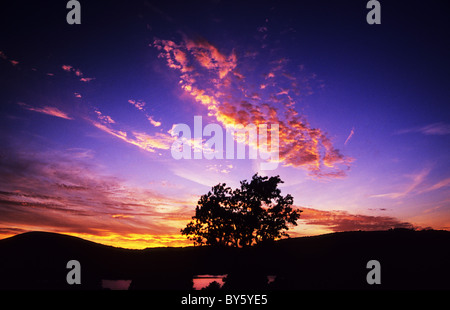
77,73
53,111
86,80
67,68
11,61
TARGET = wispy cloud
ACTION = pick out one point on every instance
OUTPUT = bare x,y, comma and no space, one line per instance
441,184
77,72
104,118
438,129
147,142
87,80
140,105
216,81
53,111
352,132
415,185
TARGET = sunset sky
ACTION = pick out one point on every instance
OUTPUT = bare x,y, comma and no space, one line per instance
86,113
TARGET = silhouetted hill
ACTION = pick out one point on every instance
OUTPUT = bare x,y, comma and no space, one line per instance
409,260
38,260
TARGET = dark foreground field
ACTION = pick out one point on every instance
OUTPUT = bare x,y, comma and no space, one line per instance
409,260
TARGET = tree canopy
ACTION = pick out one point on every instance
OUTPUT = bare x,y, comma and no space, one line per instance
254,213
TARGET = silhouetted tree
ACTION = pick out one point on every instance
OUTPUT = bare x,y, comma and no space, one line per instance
213,286
255,212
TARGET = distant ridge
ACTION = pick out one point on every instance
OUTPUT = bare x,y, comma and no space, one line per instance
409,260
46,237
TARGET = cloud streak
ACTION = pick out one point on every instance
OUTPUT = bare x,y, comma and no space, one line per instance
146,142
418,184
435,129
352,132
416,180
53,111
338,220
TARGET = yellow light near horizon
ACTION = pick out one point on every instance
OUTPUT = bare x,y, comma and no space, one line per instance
136,241
129,241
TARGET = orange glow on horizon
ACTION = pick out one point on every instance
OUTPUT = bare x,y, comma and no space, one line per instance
129,241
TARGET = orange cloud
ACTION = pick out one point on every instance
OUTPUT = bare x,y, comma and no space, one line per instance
210,58
205,76
151,142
